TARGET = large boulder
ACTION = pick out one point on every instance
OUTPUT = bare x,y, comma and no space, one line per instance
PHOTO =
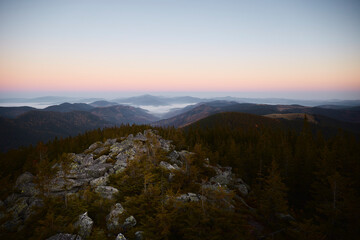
102,159
19,208
100,150
28,189
120,236
85,224
106,191
139,235
33,204
84,159
174,158
223,177
189,197
24,178
25,186
94,146
140,137
64,185
101,181
241,186
109,142
129,222
165,144
168,166
64,236
123,146
112,219
97,170
16,212
242,189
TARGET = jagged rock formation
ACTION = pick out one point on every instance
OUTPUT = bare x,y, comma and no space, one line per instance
100,160
85,225
112,219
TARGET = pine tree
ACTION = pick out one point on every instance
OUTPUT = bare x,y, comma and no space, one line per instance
273,199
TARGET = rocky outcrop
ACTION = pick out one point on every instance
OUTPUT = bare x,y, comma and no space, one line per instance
64,236
91,171
85,225
112,219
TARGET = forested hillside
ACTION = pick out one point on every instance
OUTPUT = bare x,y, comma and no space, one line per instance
248,177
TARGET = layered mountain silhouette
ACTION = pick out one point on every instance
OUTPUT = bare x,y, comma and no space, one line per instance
150,100
26,125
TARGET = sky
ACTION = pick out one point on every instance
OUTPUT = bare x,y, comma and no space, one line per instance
278,48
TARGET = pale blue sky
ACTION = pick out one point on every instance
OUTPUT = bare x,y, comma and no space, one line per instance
155,44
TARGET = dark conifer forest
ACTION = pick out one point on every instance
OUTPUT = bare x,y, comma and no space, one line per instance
302,183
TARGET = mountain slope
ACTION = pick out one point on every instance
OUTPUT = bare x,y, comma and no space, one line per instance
13,112
35,126
206,109
120,114
200,111
236,120
245,121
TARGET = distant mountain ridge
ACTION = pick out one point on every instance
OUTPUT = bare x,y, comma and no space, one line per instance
201,111
115,114
150,100
69,107
27,125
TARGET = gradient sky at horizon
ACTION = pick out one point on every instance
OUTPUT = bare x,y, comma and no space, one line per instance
167,45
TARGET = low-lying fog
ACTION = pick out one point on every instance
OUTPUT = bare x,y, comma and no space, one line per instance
155,110
160,110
